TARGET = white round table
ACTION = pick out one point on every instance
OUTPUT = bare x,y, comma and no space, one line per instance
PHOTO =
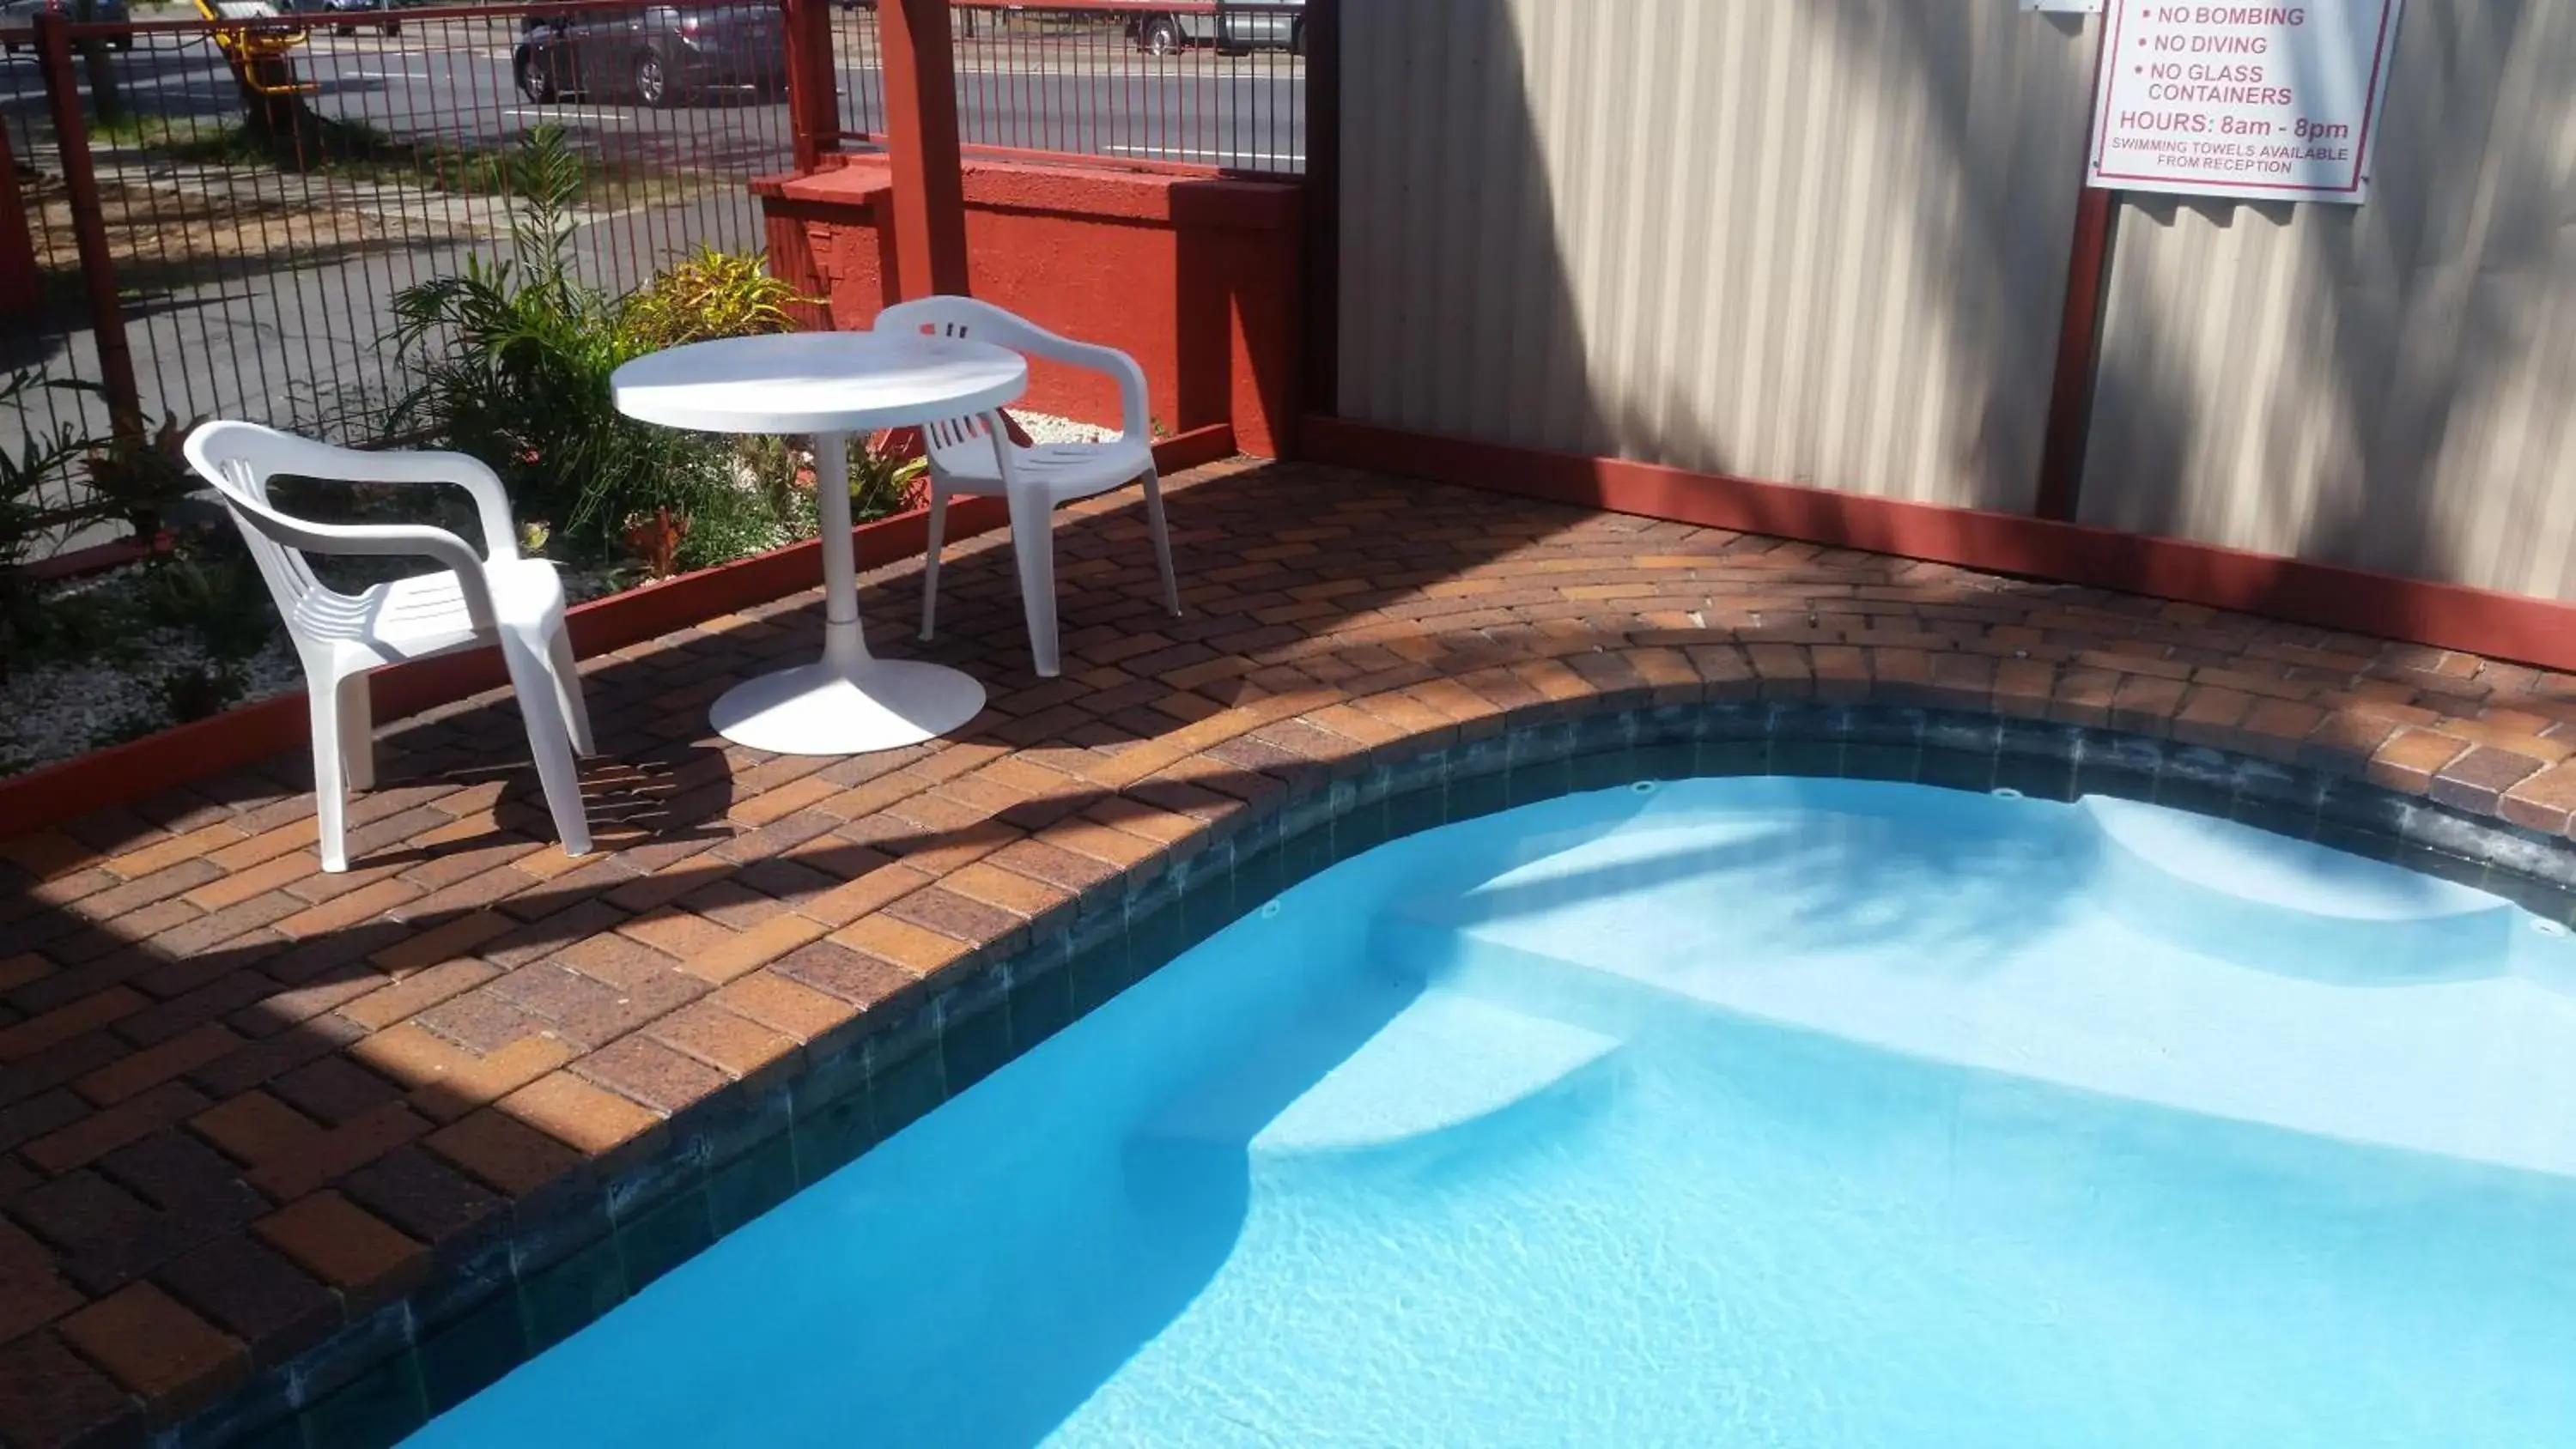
829,385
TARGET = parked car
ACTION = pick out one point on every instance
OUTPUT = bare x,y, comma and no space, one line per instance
18,14
1260,25
346,15
657,57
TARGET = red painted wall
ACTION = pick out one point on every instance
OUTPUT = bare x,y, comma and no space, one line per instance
1196,277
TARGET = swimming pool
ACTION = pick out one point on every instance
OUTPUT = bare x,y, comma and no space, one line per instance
1751,1111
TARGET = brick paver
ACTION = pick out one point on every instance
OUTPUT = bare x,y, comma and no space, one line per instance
242,1102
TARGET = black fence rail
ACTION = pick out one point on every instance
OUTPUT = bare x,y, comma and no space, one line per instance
1190,84
247,200
206,218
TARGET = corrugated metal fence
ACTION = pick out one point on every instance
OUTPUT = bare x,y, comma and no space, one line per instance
1826,243
2388,387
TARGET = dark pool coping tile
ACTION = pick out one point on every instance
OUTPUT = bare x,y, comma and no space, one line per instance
569,1296
663,1236
1041,1001
376,1410
473,1353
906,1090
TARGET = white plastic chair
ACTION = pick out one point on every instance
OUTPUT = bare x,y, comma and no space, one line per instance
976,456
503,598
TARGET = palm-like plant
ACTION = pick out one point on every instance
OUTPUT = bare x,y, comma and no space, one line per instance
514,358
39,465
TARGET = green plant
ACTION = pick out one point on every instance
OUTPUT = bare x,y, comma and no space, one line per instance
783,477
82,624
214,591
515,357
137,478
885,477
351,149
886,474
712,294
35,505
198,690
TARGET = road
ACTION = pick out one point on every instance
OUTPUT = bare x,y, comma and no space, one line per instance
452,80
266,294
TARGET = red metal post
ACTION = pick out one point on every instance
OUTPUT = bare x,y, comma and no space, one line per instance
18,289
2079,325
89,227
2070,399
921,134
1322,242
813,82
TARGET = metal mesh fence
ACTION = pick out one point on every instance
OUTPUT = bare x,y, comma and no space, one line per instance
40,329
265,192
1216,85
228,209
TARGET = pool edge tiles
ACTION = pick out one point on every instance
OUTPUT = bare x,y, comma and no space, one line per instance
719,1165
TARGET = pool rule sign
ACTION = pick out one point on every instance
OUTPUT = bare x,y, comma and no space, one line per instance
2273,102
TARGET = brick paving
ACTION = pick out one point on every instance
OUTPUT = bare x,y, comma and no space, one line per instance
243,1103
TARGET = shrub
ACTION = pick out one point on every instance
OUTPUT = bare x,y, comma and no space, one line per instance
34,506
713,294
200,690
885,477
515,358
886,473
139,478
208,583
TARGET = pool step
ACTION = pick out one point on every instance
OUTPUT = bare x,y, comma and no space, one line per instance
2213,886
1385,1066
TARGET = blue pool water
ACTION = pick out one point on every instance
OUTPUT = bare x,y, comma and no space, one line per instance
1741,1112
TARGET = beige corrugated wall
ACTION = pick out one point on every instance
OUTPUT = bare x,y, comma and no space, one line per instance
2388,387
1820,241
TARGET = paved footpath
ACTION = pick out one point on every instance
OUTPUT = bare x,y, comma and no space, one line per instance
244,1103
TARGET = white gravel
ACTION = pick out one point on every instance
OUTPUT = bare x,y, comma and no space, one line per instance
1047,428
56,709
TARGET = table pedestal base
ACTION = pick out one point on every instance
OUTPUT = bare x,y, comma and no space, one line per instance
828,709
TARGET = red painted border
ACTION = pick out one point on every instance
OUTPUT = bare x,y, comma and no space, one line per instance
2449,616
1032,156
98,558
140,768
1114,192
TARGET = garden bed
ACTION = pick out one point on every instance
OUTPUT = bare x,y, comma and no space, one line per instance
50,794
166,640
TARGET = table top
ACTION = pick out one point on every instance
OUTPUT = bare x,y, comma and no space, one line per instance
818,382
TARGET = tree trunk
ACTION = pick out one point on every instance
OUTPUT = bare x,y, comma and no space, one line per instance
277,115
105,95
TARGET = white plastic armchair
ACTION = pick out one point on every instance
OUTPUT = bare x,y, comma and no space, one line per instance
976,456
492,597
